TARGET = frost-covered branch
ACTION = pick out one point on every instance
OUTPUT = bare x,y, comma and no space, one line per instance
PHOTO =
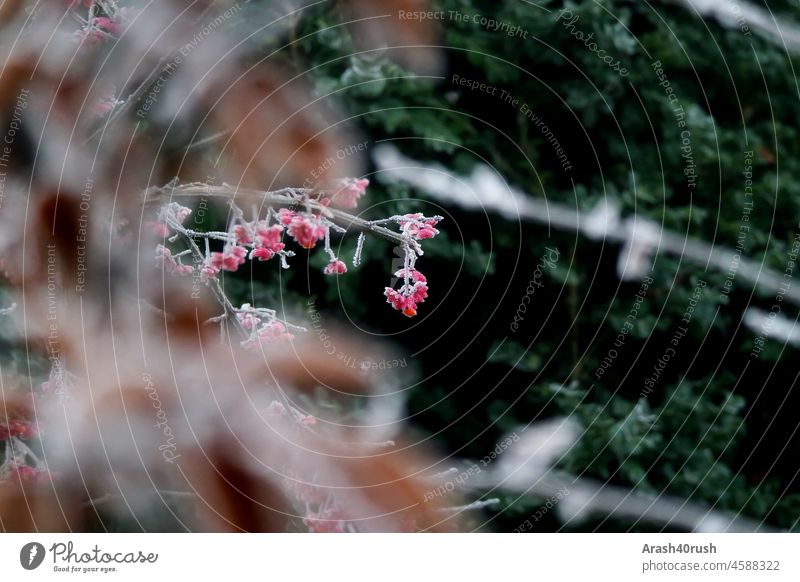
305,215
290,197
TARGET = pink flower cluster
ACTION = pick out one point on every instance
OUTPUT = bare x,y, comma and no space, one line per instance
230,259
171,212
413,291
165,260
306,229
336,267
21,473
347,193
103,26
418,227
101,29
13,469
261,236
22,429
26,473
263,239
261,332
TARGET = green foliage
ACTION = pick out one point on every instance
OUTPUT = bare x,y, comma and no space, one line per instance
706,431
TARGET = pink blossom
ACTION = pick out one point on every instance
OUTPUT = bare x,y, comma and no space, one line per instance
181,212
208,272
348,192
413,275
336,267
285,216
271,332
262,254
165,260
25,473
410,294
268,241
419,227
274,330
102,28
172,211
22,473
109,25
308,420
230,259
306,230
401,302
242,234
22,429
247,317
163,254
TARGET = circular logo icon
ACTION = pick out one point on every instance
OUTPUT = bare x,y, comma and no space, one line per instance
31,555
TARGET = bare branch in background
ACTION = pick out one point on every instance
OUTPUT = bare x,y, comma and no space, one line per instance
526,469
772,325
485,190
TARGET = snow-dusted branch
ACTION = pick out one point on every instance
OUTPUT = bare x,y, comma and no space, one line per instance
745,16
641,238
526,469
289,197
593,499
305,215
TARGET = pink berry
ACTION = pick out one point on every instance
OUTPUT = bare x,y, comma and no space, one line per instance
348,192
336,267
306,230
